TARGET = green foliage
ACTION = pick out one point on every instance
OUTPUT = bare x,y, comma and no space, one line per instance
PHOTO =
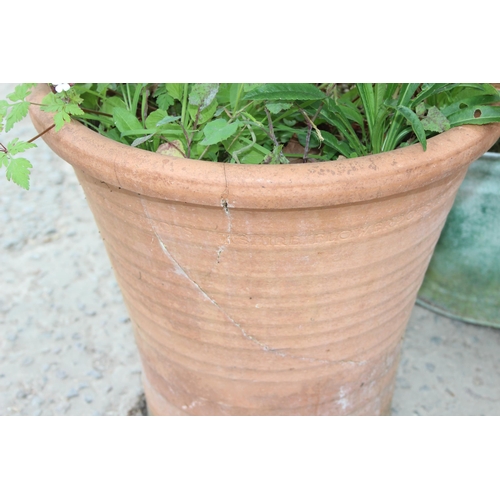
18,106
18,169
256,123
286,92
64,105
217,131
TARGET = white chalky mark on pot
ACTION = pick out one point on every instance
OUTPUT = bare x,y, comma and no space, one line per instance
182,272
192,405
343,401
224,205
179,270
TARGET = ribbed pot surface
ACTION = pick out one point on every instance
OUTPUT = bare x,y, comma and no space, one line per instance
293,302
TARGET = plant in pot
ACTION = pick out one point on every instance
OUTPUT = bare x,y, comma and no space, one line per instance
269,239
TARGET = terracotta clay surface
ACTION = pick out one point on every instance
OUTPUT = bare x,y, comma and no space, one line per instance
269,290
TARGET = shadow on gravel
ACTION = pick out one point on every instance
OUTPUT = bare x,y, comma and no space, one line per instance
140,408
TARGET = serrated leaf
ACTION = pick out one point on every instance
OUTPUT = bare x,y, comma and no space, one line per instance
16,146
4,106
415,123
125,120
203,94
60,119
286,92
21,91
52,103
218,131
435,121
4,159
16,114
73,109
164,101
18,170
277,107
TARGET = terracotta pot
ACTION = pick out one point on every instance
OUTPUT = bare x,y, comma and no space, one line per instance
268,289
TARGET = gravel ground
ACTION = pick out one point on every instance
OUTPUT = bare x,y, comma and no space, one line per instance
66,343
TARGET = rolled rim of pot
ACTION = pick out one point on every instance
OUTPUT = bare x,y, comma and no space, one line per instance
284,186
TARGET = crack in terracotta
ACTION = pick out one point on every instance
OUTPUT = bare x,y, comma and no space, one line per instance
180,270
224,202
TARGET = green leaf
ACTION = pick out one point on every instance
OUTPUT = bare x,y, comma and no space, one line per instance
203,94
368,98
349,111
406,93
415,123
140,140
60,119
18,170
114,135
174,148
111,103
469,102
102,88
154,117
159,118
477,115
432,89
277,107
4,159
167,119
3,112
125,120
4,106
420,109
286,92
52,103
339,146
169,130
164,101
336,116
435,121
205,114
18,111
175,90
73,109
218,131
247,152
16,146
21,91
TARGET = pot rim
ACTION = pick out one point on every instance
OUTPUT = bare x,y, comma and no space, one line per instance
300,185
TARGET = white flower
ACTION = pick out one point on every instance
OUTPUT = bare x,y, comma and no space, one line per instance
61,87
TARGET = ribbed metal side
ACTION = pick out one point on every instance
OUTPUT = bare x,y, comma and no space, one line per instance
270,312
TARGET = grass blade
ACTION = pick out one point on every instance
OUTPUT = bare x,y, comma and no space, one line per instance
286,92
415,123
